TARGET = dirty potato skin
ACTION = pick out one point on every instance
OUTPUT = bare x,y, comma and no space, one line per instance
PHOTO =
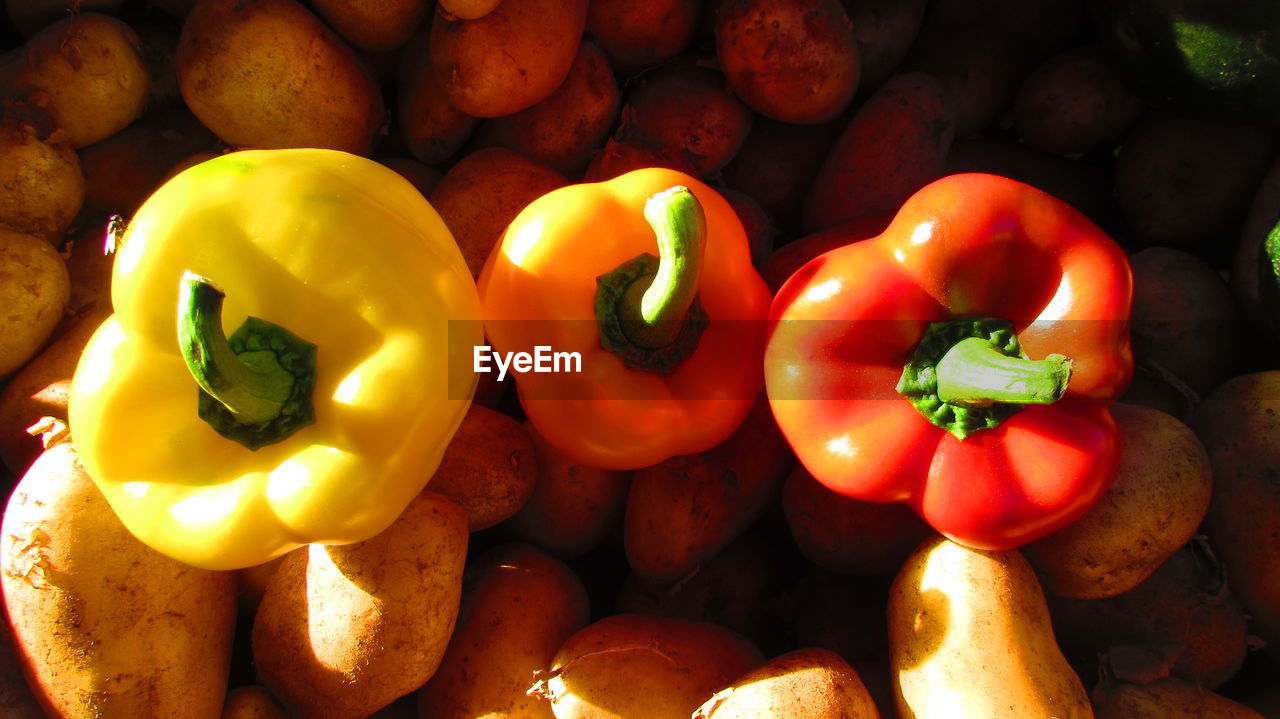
34,290
269,74
87,72
792,61
41,184
106,626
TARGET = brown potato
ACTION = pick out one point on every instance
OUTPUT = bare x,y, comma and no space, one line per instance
30,16
432,127
1165,699
1156,501
776,164
468,9
896,144
683,112
41,183
980,51
421,176
792,61
573,506
637,35
970,636
848,535
808,683
268,73
483,192
108,627
34,291
518,607
510,59
252,702
1238,423
123,170
565,129
1184,611
1181,181
628,666
343,631
87,72
885,30
841,612
1185,324
682,511
736,589
489,469
619,158
373,24
1074,103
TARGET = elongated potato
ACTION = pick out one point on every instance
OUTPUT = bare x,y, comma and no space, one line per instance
737,589
1156,501
252,701
1238,423
1165,699
896,144
373,24
636,35
108,627
489,468
573,506
124,169
564,129
795,61
483,192
629,666
1185,608
684,112
87,72
34,291
684,510
518,607
808,683
510,59
970,636
268,73
343,631
432,127
845,534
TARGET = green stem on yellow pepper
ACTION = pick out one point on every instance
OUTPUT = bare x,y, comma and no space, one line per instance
255,387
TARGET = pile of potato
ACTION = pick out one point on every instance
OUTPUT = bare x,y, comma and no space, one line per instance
714,586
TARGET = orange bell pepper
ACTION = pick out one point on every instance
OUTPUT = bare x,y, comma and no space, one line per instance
648,278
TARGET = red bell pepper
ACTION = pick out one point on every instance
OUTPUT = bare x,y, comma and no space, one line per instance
962,362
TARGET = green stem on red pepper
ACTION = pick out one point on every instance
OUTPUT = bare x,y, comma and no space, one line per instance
970,374
976,373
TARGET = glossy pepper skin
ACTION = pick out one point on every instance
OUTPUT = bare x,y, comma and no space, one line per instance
844,326
345,255
539,287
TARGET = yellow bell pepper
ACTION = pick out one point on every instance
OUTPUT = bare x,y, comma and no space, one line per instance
225,452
